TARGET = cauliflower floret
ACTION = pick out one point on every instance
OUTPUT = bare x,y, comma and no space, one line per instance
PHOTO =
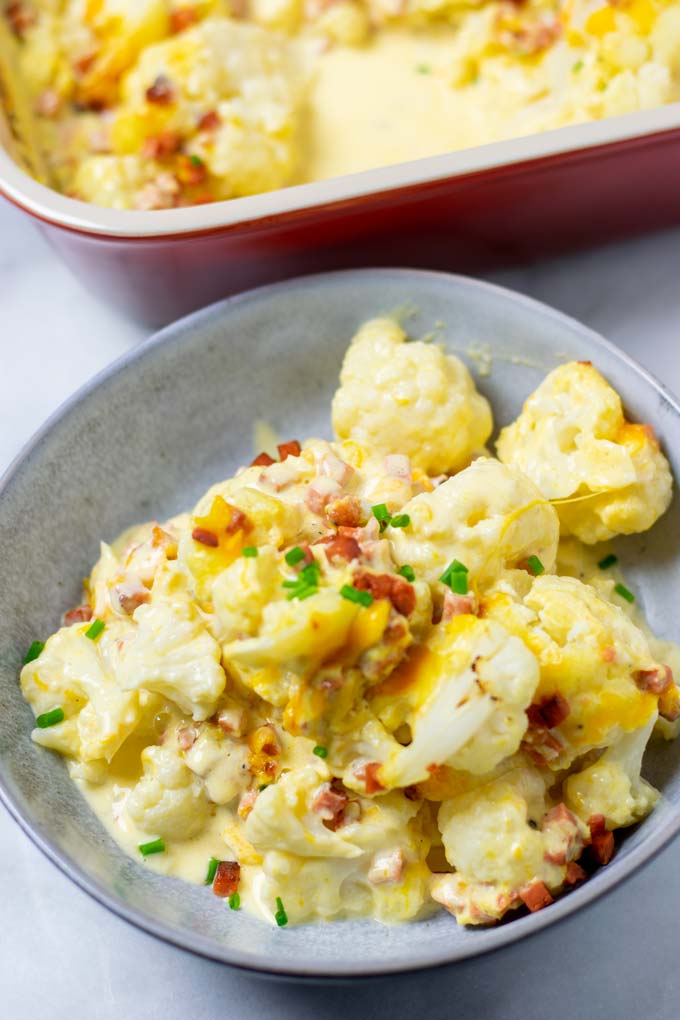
169,800
463,694
410,398
489,517
613,786
573,442
589,652
171,651
79,676
241,593
222,764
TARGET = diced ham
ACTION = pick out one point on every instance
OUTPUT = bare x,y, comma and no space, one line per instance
205,537
597,825
342,548
398,465
186,737
654,681
232,721
264,740
280,474
80,614
227,878
262,460
130,594
161,91
210,121
320,492
84,64
608,654
247,803
346,512
289,449
387,866
183,18
191,170
602,847
21,16
336,468
536,896
239,521
160,146
669,703
457,605
550,712
574,874
48,103
561,835
388,586
369,774
330,804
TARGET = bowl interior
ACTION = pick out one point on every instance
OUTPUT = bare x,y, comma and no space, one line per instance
145,439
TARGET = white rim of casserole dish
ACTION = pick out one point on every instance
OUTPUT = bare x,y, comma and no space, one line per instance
84,217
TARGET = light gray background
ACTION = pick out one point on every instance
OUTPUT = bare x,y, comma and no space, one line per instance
63,956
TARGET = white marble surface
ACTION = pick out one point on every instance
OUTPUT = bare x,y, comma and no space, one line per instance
64,956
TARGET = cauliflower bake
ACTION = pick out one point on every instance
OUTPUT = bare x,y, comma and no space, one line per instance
371,676
153,104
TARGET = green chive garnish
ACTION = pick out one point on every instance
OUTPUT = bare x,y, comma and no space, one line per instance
95,629
320,752
302,593
234,901
307,582
47,719
213,865
578,66
249,551
423,68
382,515
400,521
156,846
294,556
196,160
352,594
535,566
262,787
456,577
281,917
608,561
621,590
34,651
407,572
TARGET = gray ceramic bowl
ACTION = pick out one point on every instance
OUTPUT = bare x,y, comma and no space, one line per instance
147,436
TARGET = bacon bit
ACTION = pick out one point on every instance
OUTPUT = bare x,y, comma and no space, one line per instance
335,468
387,866
669,703
411,793
550,712
608,654
262,460
319,494
205,537
584,362
161,92
456,605
653,681
343,548
395,630
232,721
602,847
48,103
386,586
562,836
21,16
369,773
191,170
161,146
227,878
209,121
597,825
84,64
532,38
161,539
187,737
183,18
81,614
238,522
574,874
536,896
290,449
247,803
345,512
330,804
130,596
398,465
264,740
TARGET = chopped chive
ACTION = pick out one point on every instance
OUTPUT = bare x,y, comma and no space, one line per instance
294,556
213,864
281,917
608,561
234,901
302,593
34,651
263,786
624,592
310,572
291,584
51,718
407,572
456,577
535,566
95,629
320,752
155,846
352,594
382,515
249,551
578,66
196,160
400,521
423,68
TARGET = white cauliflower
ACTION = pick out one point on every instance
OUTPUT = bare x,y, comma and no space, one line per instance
169,800
410,398
222,764
241,593
573,442
489,517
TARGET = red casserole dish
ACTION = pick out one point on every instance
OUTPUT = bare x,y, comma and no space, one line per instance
467,210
